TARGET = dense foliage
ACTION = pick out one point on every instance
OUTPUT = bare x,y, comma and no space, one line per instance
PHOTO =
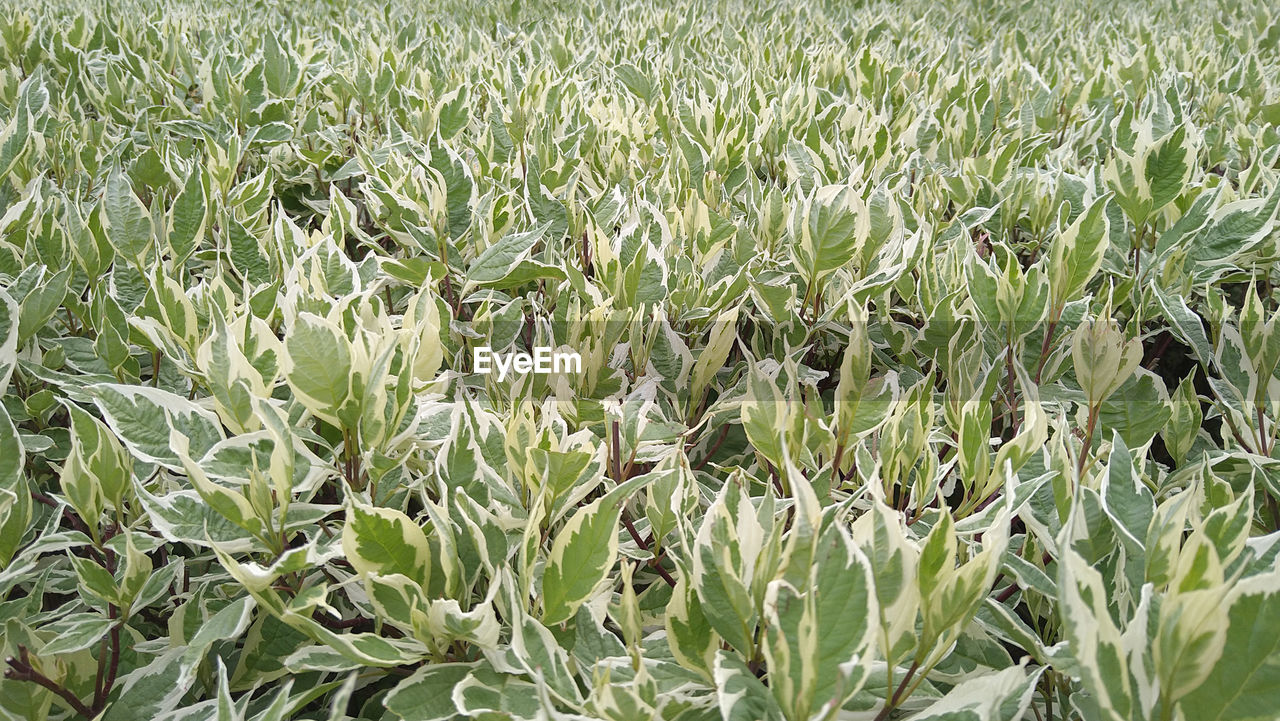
929,360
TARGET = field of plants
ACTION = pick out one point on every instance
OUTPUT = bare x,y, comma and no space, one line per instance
929,360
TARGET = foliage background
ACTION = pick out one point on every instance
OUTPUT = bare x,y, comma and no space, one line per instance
929,360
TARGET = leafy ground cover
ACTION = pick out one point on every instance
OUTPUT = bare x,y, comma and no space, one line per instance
928,360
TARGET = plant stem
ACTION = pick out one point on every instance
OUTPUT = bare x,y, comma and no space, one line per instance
351,459
777,482
1138,242
1044,347
20,669
1088,437
898,695
104,650
724,433
1263,449
1007,593
615,455
1009,392
114,667
655,562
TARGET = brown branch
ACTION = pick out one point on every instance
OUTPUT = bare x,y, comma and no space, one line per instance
724,433
892,702
20,669
1044,346
656,561
340,624
104,651
777,482
615,454
1007,593
75,522
1088,438
114,667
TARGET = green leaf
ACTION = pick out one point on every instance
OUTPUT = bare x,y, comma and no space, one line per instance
100,455
15,498
1078,252
1168,167
1001,696
14,137
79,631
583,554
189,217
128,222
143,419
1138,410
500,259
42,303
726,550
9,315
459,188
95,579
1244,685
815,661
228,623
1186,326
1096,642
317,366
1126,498
427,695
828,230
32,103
689,634
386,541
151,690
741,695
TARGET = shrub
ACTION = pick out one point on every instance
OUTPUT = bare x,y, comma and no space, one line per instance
926,358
